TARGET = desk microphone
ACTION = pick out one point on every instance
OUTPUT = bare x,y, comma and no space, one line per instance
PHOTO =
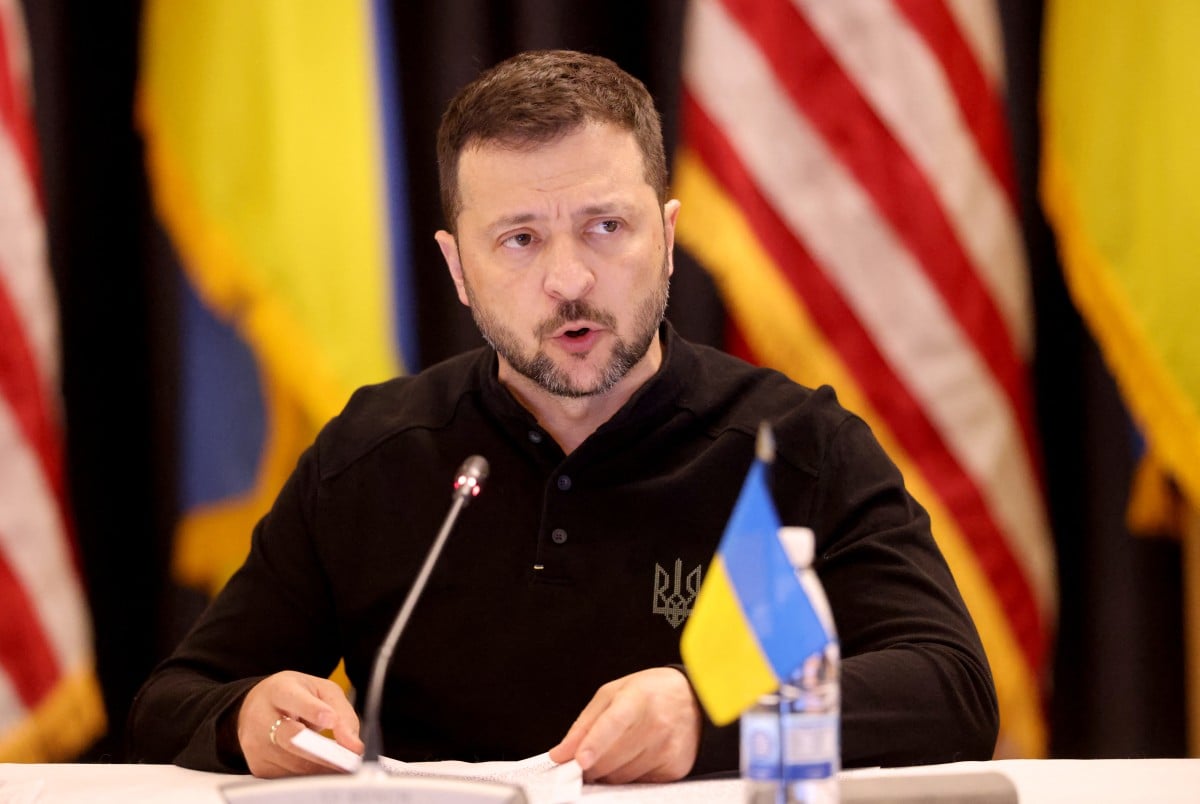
371,783
468,482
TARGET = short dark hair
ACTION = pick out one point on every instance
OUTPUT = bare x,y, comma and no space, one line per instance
536,97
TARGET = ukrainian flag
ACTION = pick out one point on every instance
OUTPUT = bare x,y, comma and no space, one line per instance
752,624
273,151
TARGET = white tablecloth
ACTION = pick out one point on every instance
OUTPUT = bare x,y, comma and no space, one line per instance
1037,782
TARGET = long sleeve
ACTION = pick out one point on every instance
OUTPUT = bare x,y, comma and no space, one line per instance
273,614
916,686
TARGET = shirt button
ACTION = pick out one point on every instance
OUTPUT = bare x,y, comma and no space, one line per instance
559,536
535,436
564,483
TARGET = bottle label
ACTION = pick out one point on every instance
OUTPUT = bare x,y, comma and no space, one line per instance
760,754
810,746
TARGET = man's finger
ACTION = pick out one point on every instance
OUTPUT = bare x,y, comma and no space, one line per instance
287,702
346,725
568,748
637,768
302,702
604,747
278,757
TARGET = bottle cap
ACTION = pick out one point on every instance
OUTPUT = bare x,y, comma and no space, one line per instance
798,544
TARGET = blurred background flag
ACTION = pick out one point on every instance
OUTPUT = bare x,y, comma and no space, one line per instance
846,176
50,706
273,150
752,624
1120,180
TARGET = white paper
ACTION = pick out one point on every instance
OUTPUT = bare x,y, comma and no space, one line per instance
329,750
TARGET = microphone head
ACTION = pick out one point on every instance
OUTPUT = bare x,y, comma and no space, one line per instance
469,479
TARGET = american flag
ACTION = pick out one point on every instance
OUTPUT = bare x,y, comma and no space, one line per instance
846,178
49,701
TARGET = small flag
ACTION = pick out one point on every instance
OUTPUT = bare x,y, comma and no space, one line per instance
752,625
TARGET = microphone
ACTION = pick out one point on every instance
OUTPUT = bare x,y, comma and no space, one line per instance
468,482
371,783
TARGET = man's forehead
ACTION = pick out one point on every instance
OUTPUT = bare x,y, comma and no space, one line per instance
532,141
602,171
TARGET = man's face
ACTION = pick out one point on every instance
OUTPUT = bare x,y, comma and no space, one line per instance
564,257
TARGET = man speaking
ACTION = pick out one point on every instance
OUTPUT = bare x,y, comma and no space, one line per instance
617,449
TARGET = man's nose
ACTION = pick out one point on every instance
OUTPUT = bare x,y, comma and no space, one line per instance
568,275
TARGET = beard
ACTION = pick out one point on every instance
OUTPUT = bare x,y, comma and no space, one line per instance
542,370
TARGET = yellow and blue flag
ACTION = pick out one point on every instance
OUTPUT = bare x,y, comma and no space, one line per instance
273,150
752,624
1120,169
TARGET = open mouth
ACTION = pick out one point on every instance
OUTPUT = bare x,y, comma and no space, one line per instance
577,333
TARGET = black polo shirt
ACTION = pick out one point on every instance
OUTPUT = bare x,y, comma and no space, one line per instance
570,571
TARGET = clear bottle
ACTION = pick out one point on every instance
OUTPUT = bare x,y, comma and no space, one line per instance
790,740
760,753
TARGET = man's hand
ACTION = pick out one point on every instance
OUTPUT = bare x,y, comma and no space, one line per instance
644,727
299,700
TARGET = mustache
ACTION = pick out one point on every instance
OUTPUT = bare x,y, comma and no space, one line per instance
575,310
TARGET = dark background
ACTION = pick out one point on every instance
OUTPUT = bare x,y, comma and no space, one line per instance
1117,679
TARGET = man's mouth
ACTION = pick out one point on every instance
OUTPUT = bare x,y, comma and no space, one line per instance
577,340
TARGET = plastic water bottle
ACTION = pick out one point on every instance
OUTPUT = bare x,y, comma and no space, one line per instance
791,740
761,751
812,699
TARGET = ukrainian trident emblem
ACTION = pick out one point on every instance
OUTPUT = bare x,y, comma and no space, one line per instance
672,601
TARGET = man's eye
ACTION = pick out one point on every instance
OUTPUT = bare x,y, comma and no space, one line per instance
519,240
608,227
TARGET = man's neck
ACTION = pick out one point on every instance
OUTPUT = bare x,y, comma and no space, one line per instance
570,420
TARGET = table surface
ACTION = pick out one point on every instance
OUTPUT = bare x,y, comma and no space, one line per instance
1036,781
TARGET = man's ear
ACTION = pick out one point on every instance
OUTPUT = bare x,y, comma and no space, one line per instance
449,247
670,215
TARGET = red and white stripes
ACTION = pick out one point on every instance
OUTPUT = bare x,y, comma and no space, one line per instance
44,630
865,144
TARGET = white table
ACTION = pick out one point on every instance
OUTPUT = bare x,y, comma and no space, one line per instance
1036,781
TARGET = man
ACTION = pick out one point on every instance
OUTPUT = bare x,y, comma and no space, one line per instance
552,620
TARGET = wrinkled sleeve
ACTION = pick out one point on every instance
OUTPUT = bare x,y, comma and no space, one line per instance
916,686
915,683
274,614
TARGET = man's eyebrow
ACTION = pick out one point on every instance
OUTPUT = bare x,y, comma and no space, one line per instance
519,219
605,208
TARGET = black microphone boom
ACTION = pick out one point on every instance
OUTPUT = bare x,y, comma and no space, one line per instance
467,484
371,783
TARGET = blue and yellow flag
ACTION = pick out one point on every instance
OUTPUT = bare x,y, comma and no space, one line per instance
1120,170
272,147
752,624
1119,176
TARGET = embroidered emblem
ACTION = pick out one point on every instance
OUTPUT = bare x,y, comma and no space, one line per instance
675,601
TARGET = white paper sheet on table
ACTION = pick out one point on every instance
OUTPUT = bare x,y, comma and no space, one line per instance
543,780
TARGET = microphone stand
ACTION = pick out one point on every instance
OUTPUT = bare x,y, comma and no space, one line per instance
371,782
466,486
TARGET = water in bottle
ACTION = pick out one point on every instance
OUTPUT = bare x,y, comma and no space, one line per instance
790,740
